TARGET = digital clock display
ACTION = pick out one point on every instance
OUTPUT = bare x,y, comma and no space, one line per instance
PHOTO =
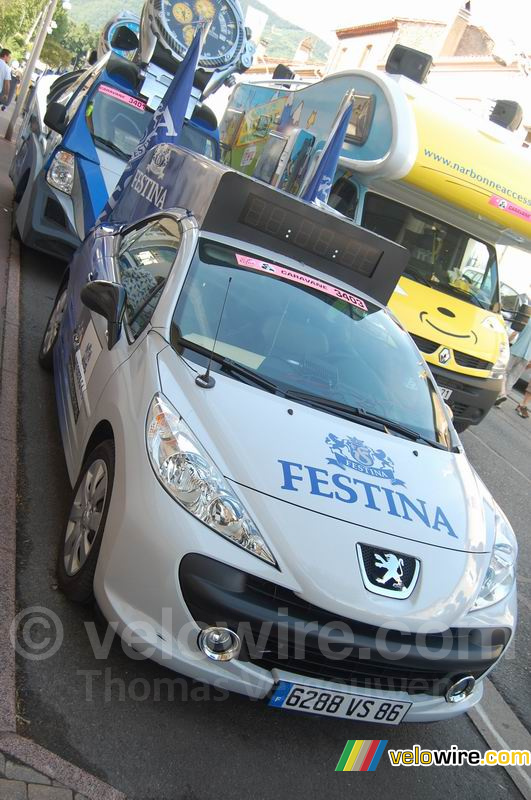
301,232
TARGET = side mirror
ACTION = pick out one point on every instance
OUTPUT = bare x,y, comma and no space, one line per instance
107,299
55,117
124,39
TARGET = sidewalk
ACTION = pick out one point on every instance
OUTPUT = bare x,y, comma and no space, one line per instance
27,771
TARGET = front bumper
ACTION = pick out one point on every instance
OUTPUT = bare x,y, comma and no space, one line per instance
472,398
49,224
280,631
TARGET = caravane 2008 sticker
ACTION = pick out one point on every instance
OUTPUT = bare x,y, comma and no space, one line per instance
122,96
301,279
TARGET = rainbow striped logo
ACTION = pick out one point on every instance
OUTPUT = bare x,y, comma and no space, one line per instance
361,755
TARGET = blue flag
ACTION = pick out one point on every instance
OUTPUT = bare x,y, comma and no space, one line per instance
167,121
320,183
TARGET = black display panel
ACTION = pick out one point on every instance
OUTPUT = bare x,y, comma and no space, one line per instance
259,215
310,236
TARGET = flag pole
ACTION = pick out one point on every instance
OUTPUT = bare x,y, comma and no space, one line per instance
347,99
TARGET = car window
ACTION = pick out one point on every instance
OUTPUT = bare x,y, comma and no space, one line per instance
308,340
145,259
510,299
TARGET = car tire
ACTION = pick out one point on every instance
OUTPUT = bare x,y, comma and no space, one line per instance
51,332
80,545
461,426
21,187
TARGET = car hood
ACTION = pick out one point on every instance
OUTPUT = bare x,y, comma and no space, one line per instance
447,320
336,468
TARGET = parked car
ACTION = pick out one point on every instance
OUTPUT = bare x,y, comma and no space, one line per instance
77,137
268,492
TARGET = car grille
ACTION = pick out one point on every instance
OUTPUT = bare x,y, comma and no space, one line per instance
466,360
359,669
425,345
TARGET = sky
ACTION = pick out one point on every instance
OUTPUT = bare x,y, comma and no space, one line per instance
510,19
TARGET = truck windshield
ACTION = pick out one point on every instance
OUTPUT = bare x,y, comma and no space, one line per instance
117,121
441,256
324,343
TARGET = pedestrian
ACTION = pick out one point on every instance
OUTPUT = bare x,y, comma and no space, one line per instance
519,361
5,76
521,408
15,80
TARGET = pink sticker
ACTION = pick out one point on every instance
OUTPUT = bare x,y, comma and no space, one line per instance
300,278
122,96
510,208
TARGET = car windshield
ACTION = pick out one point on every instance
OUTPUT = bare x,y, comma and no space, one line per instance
117,121
440,255
321,343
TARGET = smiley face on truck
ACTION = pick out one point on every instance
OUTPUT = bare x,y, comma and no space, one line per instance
423,316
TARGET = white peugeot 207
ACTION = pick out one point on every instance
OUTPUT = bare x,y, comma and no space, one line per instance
269,494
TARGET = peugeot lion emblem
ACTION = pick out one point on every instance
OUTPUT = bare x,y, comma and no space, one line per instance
389,574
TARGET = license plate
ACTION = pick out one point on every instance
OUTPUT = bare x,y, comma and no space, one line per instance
344,705
446,393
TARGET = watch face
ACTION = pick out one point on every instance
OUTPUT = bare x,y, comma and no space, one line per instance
179,22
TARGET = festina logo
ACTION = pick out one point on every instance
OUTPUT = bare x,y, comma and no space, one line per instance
149,188
349,489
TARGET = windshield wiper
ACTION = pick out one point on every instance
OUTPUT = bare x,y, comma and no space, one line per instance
449,289
111,146
403,430
351,412
416,276
334,406
232,367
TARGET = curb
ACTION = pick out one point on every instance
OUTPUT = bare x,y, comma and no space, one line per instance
11,743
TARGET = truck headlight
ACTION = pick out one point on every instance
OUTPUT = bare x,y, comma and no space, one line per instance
190,476
61,171
500,366
501,573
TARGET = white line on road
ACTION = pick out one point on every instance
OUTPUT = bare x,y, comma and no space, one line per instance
499,455
514,736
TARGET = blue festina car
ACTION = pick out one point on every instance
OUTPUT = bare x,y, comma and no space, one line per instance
73,146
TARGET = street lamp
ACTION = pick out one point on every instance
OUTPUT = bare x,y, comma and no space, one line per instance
48,25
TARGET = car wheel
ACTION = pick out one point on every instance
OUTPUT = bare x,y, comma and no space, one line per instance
21,187
80,545
52,330
460,425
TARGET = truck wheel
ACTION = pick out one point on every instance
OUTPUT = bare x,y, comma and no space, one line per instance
80,545
52,330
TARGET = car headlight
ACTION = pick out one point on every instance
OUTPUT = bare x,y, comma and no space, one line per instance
503,358
501,573
190,476
61,171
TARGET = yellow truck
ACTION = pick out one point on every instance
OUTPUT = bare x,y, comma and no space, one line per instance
420,170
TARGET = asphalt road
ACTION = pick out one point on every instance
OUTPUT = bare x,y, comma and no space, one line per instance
195,746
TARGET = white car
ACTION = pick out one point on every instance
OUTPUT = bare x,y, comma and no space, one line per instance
268,493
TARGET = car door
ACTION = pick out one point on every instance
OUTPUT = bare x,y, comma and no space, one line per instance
140,258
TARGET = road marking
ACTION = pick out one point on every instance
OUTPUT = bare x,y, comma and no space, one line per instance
499,455
514,737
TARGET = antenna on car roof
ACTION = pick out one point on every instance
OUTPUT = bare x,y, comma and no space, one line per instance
206,381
